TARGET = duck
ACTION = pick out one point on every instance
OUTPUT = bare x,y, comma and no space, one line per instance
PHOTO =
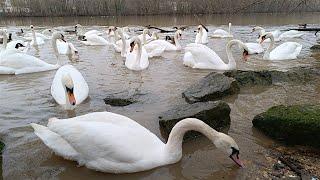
220,33
285,51
200,56
72,31
276,34
112,143
157,47
202,35
69,88
13,61
137,57
20,33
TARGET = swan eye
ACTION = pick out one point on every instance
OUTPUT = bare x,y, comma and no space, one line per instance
235,152
132,44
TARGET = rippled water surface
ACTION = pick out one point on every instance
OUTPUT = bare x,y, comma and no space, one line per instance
26,98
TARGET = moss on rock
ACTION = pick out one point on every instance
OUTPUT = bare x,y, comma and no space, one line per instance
299,124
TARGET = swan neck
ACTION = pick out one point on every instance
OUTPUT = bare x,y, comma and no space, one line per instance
177,42
35,43
232,63
267,53
174,145
123,50
5,41
55,49
229,28
139,53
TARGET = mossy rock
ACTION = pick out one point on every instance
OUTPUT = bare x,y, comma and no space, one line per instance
299,124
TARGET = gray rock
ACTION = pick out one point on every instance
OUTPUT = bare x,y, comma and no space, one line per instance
215,114
120,99
211,87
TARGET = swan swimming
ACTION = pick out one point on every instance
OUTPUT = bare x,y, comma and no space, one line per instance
220,33
285,51
201,57
202,35
69,88
137,57
13,61
276,34
112,143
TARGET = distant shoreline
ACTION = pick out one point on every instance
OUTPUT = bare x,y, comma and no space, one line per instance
41,8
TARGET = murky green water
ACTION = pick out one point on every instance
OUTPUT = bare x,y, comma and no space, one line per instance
26,98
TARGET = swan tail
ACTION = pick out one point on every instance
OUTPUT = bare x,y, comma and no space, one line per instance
188,59
55,142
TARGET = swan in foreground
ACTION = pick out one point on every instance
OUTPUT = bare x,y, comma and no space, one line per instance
94,40
137,57
13,61
201,57
276,34
69,87
285,51
157,47
220,33
112,143
202,35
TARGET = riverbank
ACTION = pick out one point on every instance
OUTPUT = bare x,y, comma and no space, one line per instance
152,7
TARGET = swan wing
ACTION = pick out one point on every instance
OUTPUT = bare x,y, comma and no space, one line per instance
91,32
55,142
95,40
204,57
254,48
288,50
81,88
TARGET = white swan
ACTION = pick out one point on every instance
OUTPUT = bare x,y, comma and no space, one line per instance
220,33
94,40
36,40
113,143
66,48
80,31
285,51
202,35
13,61
276,34
69,88
122,45
291,34
201,57
157,47
144,37
254,48
137,57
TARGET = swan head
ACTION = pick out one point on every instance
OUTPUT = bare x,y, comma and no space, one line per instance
200,28
134,41
155,35
227,144
19,45
146,31
179,33
68,86
58,35
111,29
265,36
256,28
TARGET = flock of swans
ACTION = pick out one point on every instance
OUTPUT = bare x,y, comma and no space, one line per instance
110,142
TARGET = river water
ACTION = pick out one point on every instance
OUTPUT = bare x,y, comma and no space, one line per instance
26,98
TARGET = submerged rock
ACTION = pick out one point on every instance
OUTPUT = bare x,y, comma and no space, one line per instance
299,124
211,87
124,98
2,145
245,78
215,114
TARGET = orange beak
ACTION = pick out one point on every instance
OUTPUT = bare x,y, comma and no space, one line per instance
71,98
245,55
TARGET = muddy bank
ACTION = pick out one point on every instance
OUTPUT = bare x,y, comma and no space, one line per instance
151,7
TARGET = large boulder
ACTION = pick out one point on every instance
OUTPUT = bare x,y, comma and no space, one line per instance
299,124
211,87
215,114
